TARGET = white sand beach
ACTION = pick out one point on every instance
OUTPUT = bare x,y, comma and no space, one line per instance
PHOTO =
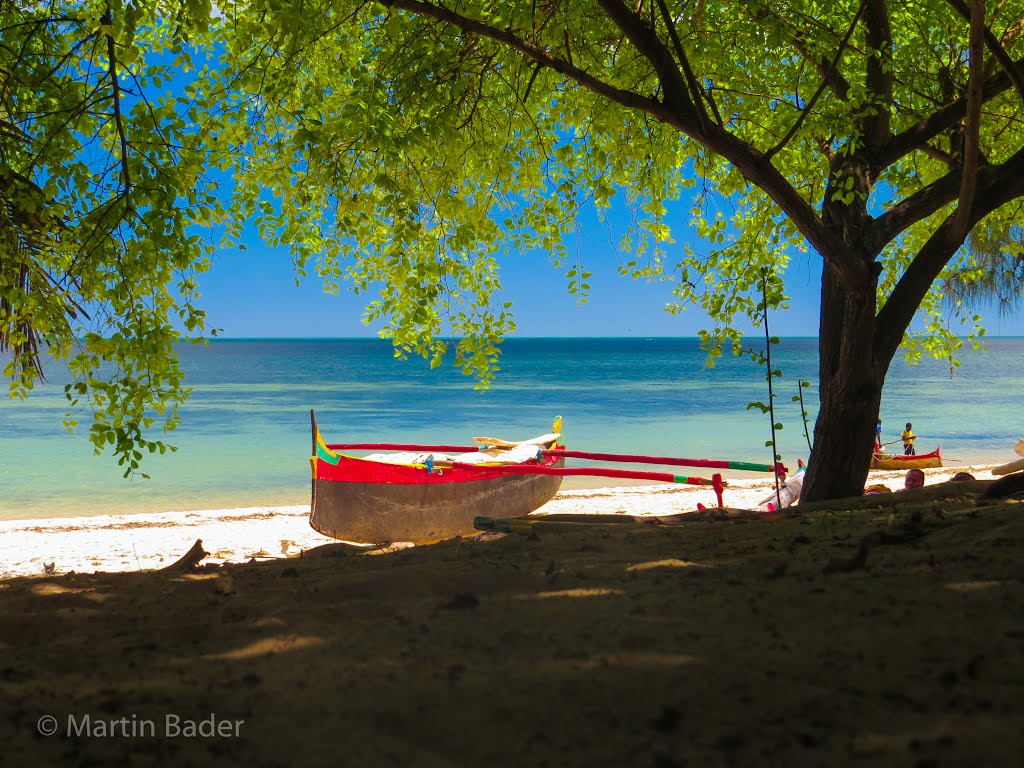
114,543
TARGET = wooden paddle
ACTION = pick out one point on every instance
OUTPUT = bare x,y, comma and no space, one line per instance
494,442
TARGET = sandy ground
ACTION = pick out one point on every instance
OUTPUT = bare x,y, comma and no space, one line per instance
113,543
889,634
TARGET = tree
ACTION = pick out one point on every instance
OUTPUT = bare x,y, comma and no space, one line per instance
416,140
407,145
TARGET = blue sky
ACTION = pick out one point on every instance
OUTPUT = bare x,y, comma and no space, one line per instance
253,294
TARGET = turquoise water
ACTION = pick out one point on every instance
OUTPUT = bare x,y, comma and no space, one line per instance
245,438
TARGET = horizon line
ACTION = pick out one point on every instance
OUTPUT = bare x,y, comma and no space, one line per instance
524,338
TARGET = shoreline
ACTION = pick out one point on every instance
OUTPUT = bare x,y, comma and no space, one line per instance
145,541
91,502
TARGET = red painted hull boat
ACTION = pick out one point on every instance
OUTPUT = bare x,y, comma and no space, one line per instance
365,500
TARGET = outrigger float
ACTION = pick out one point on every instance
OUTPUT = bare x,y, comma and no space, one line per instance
427,493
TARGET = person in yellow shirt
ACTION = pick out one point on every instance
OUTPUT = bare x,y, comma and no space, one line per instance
908,437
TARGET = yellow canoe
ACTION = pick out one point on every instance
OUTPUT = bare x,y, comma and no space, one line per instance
899,461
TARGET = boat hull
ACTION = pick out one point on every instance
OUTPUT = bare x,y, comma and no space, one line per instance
898,461
375,502
385,512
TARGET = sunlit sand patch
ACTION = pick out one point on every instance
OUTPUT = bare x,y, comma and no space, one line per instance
593,592
669,563
90,594
48,588
267,646
393,547
97,597
972,586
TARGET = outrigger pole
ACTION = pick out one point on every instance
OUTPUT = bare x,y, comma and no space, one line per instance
562,452
708,463
627,474
403,447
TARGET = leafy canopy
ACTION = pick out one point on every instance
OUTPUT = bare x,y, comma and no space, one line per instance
408,146
405,148
103,198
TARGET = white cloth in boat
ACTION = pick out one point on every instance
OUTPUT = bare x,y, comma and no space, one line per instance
542,440
518,454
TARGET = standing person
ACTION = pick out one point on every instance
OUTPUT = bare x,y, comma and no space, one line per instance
878,436
908,437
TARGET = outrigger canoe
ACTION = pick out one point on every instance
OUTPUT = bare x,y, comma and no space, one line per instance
899,461
433,493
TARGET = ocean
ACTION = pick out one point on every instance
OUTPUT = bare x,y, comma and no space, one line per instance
244,440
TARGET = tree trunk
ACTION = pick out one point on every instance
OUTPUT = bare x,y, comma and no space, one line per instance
850,390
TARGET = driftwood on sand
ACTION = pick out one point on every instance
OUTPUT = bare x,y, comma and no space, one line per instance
578,522
963,491
1016,465
1013,466
190,559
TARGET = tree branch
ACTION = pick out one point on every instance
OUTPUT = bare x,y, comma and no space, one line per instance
997,185
879,72
927,129
817,94
696,91
910,210
591,83
650,46
937,154
678,112
972,122
1011,67
827,71
116,95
